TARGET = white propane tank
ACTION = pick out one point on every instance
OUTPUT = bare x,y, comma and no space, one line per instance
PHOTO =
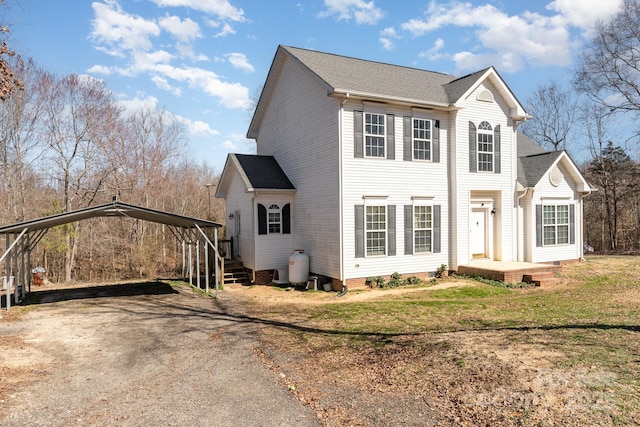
298,267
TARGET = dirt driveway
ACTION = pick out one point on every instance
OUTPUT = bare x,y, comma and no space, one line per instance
138,354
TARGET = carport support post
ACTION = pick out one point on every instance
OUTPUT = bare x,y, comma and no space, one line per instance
216,256
206,266
198,262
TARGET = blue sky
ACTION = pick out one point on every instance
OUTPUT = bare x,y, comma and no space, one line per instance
206,60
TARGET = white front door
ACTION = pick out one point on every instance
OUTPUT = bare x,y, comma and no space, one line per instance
478,233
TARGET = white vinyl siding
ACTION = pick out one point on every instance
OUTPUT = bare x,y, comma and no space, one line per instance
300,129
400,183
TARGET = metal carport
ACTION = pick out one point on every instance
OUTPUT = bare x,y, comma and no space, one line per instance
22,238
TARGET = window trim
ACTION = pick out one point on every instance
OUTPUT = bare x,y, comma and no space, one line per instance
416,229
366,135
429,141
384,231
481,130
555,225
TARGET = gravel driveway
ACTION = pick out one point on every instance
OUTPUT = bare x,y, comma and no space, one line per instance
139,354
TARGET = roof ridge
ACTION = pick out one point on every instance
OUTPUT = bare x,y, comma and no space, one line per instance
370,61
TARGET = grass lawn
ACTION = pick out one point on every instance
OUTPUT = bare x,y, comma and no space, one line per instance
477,354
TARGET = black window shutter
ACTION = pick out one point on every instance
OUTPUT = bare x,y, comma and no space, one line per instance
436,230
358,139
435,139
539,225
391,230
496,150
262,219
359,214
406,138
408,229
391,137
286,219
572,224
473,148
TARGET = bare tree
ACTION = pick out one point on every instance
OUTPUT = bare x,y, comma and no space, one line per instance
78,112
19,121
609,67
554,114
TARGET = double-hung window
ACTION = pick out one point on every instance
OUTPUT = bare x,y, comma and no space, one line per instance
555,224
376,230
422,229
273,219
421,139
485,147
374,135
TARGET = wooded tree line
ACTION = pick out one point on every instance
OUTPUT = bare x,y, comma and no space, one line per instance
597,120
66,144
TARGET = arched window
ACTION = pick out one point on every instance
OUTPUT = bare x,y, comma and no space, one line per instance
273,219
485,147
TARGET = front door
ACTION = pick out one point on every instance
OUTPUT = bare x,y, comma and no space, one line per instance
478,234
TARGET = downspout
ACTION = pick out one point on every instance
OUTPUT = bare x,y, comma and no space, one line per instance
341,195
526,191
581,249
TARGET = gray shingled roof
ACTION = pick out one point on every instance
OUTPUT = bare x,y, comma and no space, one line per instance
263,172
533,160
527,146
343,73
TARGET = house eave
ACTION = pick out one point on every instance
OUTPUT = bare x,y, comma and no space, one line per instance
412,102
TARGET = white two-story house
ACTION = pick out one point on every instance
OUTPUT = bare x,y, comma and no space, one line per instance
373,168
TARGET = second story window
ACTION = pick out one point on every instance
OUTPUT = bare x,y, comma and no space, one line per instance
421,139
485,147
374,135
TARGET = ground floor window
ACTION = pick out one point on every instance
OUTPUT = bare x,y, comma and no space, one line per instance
422,229
555,224
376,230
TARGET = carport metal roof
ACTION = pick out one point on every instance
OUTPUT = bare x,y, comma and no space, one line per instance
113,209
21,239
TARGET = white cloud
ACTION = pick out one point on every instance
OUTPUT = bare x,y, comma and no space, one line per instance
433,54
505,41
131,106
239,61
386,38
184,30
225,31
232,95
197,128
163,84
362,11
131,37
221,8
121,31
229,145
99,69
584,14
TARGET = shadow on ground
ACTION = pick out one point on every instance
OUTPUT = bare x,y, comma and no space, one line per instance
102,291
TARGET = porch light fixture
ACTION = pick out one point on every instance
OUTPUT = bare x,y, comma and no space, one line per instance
493,211
230,216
